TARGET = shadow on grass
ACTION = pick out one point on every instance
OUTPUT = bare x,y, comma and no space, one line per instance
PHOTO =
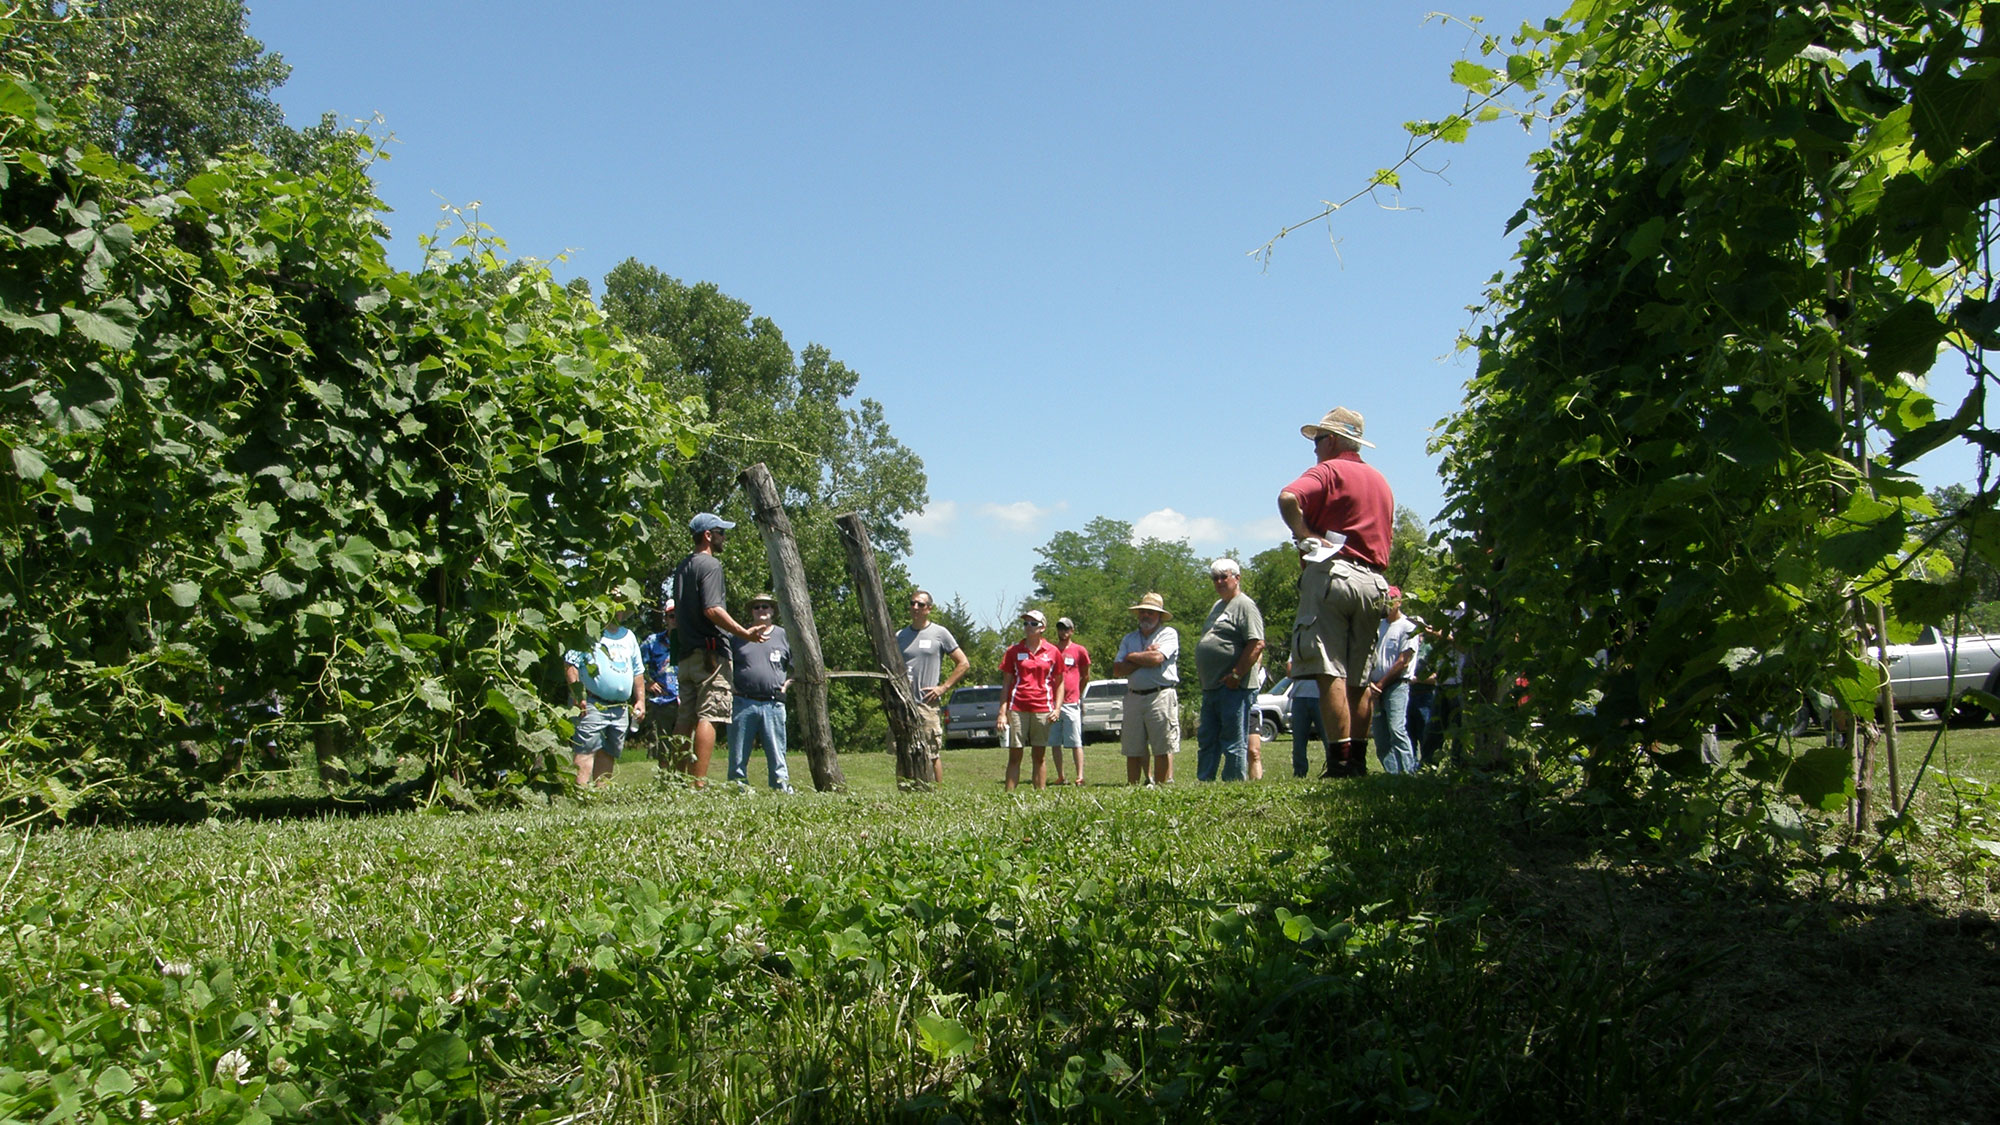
1550,980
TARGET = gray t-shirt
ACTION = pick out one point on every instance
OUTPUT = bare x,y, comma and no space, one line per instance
924,651
1230,628
697,586
762,666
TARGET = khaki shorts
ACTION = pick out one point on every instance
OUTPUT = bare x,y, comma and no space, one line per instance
1152,724
1340,604
932,719
1030,728
708,689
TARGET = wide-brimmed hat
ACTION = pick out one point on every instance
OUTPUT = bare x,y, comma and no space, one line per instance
1155,603
1341,422
763,599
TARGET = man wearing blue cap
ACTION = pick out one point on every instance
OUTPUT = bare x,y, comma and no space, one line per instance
708,693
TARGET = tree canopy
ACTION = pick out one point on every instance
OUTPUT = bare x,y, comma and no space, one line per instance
1094,575
796,413
165,84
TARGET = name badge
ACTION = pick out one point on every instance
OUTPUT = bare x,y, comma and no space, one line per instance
925,645
776,657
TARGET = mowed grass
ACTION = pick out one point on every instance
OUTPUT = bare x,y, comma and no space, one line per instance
1284,951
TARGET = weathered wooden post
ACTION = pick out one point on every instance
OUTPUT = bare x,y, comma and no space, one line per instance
915,743
795,604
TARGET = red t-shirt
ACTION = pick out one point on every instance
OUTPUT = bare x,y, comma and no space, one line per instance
1075,662
1032,672
1349,496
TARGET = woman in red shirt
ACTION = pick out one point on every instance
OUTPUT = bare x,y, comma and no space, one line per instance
1031,687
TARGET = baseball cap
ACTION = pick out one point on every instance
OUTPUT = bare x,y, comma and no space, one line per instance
708,521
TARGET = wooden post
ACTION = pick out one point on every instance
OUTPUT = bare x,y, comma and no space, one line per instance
795,604
914,741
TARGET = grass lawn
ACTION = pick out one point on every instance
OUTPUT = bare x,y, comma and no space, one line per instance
1284,951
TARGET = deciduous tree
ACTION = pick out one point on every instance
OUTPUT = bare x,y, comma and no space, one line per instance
796,413
166,84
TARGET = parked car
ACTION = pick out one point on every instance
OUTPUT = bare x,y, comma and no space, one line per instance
1103,709
971,713
1274,710
1919,673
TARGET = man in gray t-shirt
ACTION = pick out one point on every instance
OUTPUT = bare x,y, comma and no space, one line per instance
705,671
1232,641
763,670
924,646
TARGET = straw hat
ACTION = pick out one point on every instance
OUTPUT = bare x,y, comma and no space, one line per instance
1341,422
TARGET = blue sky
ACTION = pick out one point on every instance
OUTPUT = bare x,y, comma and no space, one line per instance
1026,226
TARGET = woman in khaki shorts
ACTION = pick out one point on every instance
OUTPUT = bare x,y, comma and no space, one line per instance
1031,686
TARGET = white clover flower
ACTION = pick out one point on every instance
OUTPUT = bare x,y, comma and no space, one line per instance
234,1066
176,970
279,1066
147,1110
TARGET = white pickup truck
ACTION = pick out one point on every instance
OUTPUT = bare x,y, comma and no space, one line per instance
1103,709
1923,672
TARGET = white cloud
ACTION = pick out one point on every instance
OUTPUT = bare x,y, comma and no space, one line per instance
1020,516
935,520
1204,532
1169,525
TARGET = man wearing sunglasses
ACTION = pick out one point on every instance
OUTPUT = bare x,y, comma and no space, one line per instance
925,645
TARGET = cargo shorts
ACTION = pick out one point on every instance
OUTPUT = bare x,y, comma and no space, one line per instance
708,689
1340,605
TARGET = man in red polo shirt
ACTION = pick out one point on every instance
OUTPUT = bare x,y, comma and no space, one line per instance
1342,517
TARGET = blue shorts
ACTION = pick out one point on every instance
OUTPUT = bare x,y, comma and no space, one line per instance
1068,728
600,729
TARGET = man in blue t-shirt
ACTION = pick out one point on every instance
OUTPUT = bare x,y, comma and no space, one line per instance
663,687
607,688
